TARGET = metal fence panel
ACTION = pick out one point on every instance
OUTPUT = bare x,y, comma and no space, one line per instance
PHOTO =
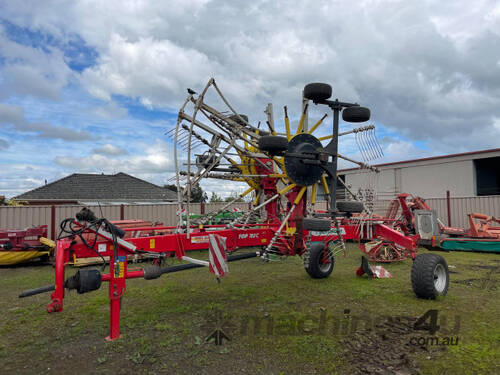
28,216
24,217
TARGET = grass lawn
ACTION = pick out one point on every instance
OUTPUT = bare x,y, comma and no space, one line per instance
279,321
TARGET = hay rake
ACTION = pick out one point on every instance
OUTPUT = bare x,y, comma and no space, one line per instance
280,171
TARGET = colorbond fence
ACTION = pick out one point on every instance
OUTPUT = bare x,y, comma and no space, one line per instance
28,216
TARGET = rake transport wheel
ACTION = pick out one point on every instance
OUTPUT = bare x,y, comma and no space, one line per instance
319,261
318,225
430,276
317,91
350,206
273,144
356,114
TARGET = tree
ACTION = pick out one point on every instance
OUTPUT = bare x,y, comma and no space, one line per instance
234,197
172,187
198,195
215,198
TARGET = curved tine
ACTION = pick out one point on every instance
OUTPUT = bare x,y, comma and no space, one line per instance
381,151
369,137
365,146
183,137
184,141
370,146
196,144
360,146
170,131
373,140
372,150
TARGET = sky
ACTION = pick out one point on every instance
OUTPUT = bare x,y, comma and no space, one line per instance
93,86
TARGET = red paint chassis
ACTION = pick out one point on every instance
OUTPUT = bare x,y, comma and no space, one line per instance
177,244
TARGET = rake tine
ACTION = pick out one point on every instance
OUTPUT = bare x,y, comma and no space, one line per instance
375,141
381,151
356,138
366,155
195,145
169,131
370,145
370,139
373,147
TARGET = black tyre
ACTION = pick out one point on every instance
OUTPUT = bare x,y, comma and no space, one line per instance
237,120
350,206
317,91
273,144
319,225
430,276
319,261
356,114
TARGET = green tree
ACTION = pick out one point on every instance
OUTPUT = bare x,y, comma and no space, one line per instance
234,196
172,187
215,198
198,195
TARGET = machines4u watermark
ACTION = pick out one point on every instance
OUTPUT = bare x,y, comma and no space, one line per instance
322,323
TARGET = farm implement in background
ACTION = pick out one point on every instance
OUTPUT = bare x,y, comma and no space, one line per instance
280,170
483,234
418,225
17,246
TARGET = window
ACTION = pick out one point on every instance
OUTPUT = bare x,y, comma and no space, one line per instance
487,176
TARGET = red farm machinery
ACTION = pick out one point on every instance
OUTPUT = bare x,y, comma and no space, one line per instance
281,170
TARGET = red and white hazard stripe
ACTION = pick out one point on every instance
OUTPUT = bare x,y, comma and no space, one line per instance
380,272
217,255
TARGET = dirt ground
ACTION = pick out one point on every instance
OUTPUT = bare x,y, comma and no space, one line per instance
277,321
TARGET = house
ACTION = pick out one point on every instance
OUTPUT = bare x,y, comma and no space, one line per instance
89,189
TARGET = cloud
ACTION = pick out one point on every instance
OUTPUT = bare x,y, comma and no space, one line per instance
157,160
109,149
13,116
138,69
110,111
429,71
420,67
27,70
4,145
